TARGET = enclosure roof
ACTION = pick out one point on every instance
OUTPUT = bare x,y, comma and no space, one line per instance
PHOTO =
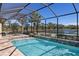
47,10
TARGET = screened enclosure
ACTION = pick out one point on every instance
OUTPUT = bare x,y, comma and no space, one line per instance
56,20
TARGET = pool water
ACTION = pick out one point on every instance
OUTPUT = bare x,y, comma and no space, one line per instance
43,47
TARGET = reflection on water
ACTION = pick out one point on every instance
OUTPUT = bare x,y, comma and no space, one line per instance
62,52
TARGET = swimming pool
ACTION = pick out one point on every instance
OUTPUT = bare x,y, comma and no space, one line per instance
43,47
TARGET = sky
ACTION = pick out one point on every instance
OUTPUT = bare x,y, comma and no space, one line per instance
59,9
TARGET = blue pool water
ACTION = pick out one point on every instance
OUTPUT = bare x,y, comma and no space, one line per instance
41,47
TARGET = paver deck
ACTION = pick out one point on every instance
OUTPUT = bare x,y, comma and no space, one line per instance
7,48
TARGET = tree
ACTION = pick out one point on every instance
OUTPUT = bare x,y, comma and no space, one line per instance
50,25
26,27
14,27
2,21
70,27
8,25
35,19
22,22
42,26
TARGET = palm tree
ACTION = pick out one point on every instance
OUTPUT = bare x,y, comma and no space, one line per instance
23,22
14,27
2,21
26,28
42,26
35,19
8,27
26,25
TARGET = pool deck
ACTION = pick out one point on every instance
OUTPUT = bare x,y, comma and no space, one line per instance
7,48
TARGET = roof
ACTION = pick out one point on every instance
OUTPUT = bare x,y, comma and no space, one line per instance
47,10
